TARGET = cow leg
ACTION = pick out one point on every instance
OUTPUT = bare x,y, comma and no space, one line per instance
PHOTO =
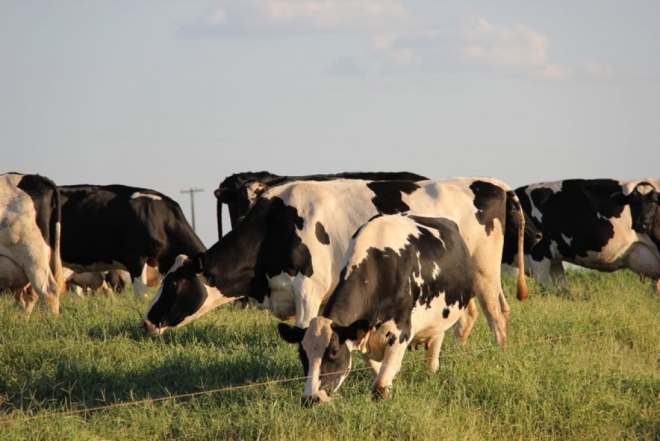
465,322
390,366
504,306
557,272
309,295
432,355
140,288
489,295
26,299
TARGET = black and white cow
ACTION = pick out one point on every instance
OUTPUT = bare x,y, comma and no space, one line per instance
30,240
586,222
119,227
288,251
407,279
240,190
108,281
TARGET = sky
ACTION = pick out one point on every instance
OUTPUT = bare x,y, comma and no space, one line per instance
179,94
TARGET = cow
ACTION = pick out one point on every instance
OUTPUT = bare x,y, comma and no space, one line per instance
108,281
107,227
288,251
240,190
586,222
407,279
30,240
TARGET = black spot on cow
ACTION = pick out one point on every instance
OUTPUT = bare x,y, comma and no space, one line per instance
488,204
445,313
265,244
388,195
46,200
321,234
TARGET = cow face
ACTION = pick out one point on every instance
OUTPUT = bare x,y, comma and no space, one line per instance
183,296
325,352
248,196
643,201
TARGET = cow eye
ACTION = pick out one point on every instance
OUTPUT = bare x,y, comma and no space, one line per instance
333,353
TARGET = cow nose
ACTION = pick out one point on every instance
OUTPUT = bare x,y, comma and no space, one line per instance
147,327
538,237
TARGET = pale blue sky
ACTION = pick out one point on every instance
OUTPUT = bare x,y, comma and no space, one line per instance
175,94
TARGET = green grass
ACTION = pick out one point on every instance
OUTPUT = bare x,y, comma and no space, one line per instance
583,363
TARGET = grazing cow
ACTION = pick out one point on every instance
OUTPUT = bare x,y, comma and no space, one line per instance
240,190
119,227
586,222
289,249
30,240
407,279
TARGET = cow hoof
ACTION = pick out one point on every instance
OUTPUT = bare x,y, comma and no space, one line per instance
381,392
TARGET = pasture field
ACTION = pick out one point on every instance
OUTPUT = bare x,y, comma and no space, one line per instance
583,363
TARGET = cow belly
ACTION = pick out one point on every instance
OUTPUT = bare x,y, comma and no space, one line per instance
12,276
427,324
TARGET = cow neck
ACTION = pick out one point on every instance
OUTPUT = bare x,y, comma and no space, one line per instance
346,305
227,266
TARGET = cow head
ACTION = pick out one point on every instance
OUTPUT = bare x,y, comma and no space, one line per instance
643,202
325,352
183,295
239,200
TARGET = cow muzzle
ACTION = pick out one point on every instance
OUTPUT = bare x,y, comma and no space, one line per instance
316,398
149,328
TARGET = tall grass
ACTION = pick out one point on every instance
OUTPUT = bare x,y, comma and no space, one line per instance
583,363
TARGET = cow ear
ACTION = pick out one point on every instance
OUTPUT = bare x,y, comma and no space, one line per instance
355,331
226,195
198,263
619,199
290,334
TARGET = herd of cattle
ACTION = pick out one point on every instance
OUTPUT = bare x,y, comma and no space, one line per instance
367,262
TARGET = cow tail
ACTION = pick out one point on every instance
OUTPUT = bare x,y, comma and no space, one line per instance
522,293
55,239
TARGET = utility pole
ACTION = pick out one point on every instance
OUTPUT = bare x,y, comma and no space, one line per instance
192,192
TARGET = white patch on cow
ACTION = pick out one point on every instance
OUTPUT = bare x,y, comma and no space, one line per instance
377,234
417,275
436,270
140,286
567,239
214,298
138,194
536,213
